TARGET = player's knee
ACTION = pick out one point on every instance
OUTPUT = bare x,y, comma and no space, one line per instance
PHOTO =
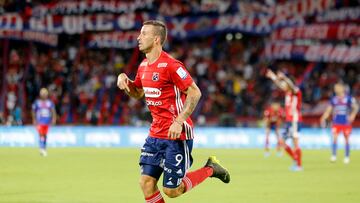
147,183
171,192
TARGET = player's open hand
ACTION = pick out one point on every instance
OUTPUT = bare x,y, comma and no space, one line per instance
351,118
123,82
175,130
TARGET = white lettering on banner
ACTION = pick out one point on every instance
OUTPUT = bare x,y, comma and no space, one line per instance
104,22
72,24
201,139
21,138
80,7
320,53
339,15
50,25
152,92
322,140
102,138
11,21
232,139
179,27
353,55
260,139
62,139
126,21
283,50
137,138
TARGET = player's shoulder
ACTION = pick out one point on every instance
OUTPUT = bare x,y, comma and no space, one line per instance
168,61
143,63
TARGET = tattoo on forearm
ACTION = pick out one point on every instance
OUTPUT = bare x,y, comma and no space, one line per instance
189,106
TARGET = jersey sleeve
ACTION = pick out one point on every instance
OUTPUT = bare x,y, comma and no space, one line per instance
137,82
332,102
180,76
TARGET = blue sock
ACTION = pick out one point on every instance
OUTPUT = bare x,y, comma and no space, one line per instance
347,149
45,141
334,148
42,143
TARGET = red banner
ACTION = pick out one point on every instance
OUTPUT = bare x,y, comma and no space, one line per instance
315,53
318,31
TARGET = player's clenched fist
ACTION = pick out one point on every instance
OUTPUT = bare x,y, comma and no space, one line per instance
123,82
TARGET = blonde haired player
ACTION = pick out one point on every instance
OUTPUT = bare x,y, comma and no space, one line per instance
344,109
171,95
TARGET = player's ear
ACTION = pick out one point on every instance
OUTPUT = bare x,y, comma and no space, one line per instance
158,39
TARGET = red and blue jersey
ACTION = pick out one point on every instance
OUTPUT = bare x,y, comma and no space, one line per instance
341,109
164,83
43,111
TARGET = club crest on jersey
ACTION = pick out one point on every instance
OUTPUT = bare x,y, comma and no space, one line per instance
155,76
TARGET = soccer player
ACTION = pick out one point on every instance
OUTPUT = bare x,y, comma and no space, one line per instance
171,96
43,114
273,116
344,109
293,99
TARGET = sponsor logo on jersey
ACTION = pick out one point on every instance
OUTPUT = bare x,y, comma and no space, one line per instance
146,154
181,72
152,92
179,172
155,76
153,103
167,170
162,65
143,63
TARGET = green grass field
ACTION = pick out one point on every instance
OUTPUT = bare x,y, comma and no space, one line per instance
79,175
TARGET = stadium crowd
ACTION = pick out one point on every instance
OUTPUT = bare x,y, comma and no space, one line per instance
230,74
229,68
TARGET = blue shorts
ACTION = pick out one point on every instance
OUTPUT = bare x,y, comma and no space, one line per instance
171,157
292,130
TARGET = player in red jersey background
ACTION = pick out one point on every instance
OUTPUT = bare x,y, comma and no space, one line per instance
273,118
293,117
171,96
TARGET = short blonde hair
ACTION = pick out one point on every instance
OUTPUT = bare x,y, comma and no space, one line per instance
160,29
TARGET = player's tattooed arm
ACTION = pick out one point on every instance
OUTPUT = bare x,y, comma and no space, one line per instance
193,95
124,83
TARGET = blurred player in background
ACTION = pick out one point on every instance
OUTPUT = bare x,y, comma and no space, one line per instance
171,96
344,109
43,114
293,117
273,117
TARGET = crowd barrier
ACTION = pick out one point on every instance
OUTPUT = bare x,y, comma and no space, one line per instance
205,137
